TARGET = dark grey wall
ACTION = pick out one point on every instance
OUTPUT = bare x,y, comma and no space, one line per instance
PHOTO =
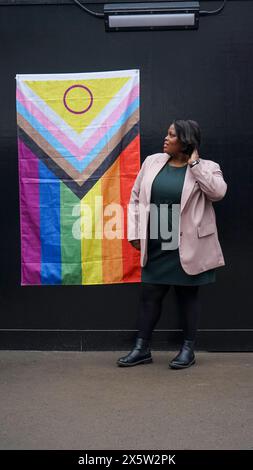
205,75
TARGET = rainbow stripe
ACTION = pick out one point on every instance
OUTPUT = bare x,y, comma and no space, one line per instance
79,153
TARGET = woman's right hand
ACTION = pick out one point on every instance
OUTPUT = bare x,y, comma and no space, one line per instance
136,244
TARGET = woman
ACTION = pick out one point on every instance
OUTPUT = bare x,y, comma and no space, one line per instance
177,178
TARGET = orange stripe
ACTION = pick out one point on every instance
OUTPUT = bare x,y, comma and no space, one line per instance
129,167
112,249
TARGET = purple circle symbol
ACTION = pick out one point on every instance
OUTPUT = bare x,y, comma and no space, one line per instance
71,110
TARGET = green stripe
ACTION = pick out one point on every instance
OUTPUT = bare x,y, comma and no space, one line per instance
70,246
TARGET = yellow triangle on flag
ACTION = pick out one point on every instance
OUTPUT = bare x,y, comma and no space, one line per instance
77,102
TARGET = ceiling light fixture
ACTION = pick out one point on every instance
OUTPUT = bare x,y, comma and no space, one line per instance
151,16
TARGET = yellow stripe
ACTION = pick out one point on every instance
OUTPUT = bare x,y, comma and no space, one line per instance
91,220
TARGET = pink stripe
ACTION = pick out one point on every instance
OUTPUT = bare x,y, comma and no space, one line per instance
79,153
29,203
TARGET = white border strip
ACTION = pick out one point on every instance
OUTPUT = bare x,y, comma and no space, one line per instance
74,76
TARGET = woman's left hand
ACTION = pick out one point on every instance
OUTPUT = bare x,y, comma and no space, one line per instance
194,156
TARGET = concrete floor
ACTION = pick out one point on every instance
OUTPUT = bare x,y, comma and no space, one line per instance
73,400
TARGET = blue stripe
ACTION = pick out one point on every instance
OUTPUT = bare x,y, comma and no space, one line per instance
50,229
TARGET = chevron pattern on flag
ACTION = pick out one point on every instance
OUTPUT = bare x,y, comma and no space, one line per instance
78,143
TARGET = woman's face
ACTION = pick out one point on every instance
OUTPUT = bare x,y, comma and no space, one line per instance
172,145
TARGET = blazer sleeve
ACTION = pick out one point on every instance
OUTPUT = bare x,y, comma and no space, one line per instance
210,180
133,212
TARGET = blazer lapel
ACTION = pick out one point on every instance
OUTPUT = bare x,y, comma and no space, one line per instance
154,169
188,186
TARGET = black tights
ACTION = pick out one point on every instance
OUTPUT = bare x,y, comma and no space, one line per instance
151,306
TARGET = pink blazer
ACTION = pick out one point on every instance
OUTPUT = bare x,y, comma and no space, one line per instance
198,242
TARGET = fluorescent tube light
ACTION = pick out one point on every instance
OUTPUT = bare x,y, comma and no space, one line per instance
151,16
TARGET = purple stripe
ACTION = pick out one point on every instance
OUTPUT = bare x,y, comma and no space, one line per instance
29,216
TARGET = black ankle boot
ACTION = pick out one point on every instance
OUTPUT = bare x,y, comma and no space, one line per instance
140,354
185,357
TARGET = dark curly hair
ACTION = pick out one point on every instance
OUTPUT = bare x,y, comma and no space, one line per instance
188,132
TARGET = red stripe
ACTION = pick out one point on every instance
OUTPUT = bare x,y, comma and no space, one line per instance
129,168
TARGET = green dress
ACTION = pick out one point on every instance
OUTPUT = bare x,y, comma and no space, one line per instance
164,266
